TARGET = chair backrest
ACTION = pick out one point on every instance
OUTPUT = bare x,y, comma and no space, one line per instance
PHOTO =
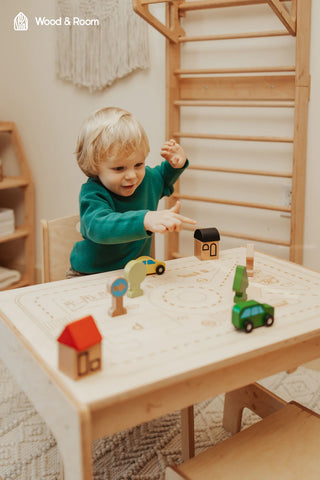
58,237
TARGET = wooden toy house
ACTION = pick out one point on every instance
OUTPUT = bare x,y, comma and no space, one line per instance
80,348
206,243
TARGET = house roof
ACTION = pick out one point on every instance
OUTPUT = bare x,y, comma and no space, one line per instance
207,234
81,334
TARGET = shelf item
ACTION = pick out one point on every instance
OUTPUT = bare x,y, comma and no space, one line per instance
6,222
272,88
8,277
17,239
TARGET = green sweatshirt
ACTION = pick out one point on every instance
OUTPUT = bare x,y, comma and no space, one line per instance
112,225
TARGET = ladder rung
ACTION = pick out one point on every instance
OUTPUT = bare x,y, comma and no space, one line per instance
235,103
263,173
206,4
233,36
240,138
244,236
177,255
254,238
149,2
213,71
277,208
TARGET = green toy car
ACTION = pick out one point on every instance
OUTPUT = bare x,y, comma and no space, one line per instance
251,314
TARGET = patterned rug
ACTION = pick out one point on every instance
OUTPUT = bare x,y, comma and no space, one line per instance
28,450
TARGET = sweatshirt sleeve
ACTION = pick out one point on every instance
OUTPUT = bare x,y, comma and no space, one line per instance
100,223
169,175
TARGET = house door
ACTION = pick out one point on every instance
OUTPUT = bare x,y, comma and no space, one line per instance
83,363
213,250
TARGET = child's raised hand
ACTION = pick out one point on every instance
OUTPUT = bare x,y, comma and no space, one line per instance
163,221
173,153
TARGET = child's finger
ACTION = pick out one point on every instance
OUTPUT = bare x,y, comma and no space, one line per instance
174,225
166,150
176,207
160,229
170,144
185,219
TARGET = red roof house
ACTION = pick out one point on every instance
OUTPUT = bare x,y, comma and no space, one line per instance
80,348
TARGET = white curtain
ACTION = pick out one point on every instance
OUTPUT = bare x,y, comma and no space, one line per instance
95,56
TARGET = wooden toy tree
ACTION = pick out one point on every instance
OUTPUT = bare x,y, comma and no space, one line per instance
135,272
240,284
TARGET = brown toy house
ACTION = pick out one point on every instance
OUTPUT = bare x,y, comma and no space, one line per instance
206,243
80,348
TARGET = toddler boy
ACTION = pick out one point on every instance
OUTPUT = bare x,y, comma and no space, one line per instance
118,203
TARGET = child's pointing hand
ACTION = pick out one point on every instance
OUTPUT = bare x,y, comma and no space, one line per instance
163,221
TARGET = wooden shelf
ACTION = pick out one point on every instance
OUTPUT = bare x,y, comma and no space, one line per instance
13,182
21,283
19,232
6,127
23,251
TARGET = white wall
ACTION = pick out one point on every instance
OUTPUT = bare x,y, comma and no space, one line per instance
312,221
48,112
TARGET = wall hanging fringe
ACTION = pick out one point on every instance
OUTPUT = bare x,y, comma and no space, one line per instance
94,56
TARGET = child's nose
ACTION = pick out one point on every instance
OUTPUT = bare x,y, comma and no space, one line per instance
130,173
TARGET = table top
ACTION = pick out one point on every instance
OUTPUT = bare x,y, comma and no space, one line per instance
180,326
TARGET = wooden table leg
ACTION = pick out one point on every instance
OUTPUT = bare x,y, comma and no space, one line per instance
69,420
77,466
187,433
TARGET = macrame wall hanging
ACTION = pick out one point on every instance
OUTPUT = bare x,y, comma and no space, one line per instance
94,56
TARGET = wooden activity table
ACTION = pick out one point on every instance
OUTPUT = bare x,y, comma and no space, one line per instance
175,347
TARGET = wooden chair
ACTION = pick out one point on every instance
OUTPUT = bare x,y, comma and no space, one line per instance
282,446
58,237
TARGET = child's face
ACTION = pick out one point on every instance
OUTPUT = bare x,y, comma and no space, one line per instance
123,175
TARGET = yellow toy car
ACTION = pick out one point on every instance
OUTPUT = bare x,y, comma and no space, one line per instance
153,266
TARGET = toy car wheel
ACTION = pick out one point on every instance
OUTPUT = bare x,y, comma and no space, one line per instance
268,321
160,269
248,326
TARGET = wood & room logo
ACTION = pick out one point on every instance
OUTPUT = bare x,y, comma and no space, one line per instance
20,22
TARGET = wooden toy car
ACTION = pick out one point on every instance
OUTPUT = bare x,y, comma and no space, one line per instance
153,266
251,314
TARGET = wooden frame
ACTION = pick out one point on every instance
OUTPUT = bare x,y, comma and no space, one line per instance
287,86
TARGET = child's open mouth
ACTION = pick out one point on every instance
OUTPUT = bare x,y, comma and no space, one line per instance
129,188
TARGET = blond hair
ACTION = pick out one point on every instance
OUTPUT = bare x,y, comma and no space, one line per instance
109,133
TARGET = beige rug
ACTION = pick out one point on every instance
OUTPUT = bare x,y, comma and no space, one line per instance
28,450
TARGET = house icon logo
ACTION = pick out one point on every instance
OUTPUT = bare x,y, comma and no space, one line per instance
20,23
